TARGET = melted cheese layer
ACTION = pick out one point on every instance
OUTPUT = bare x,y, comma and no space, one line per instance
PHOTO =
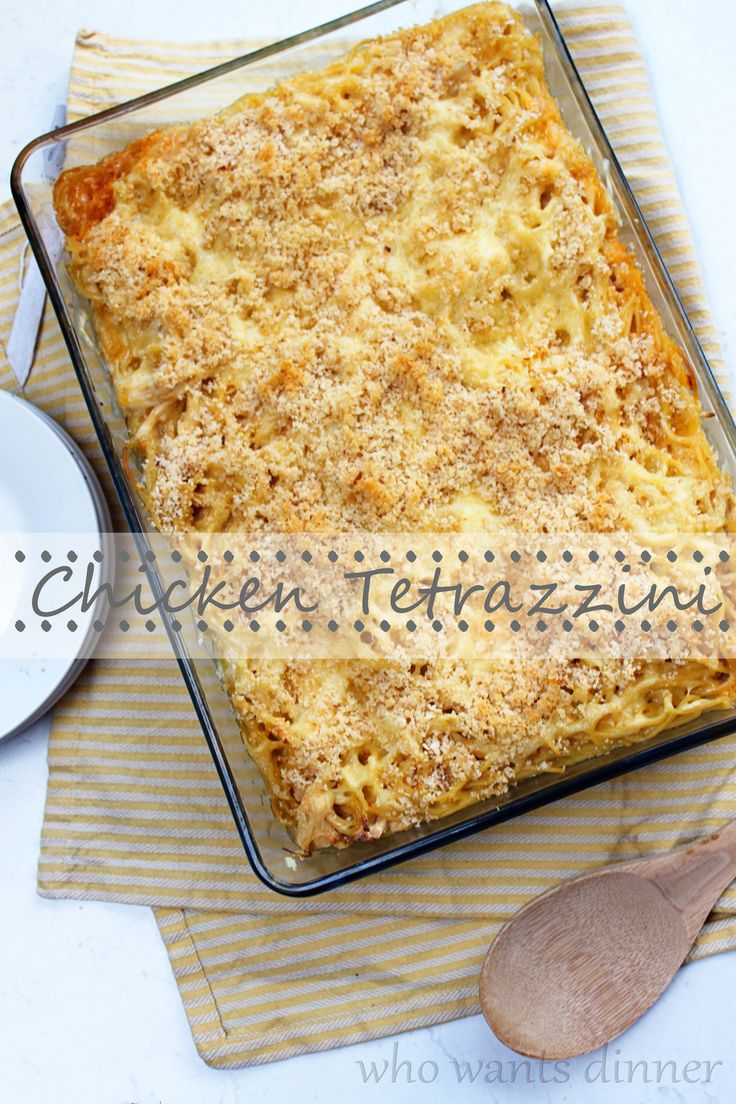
391,295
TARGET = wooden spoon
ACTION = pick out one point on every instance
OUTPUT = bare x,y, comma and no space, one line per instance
580,963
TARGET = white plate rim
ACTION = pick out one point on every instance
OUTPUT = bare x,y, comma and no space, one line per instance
102,513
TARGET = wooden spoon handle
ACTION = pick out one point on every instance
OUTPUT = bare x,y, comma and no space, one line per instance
725,837
694,878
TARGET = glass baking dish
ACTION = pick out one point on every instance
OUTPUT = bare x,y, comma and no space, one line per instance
266,843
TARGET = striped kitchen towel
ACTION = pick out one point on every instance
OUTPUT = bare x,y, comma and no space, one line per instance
135,811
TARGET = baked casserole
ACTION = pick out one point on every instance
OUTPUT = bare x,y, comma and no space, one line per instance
388,296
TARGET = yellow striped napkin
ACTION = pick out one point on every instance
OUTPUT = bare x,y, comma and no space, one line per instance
135,811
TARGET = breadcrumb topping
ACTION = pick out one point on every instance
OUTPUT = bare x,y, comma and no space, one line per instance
391,295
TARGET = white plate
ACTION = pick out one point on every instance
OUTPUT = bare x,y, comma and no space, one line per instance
46,486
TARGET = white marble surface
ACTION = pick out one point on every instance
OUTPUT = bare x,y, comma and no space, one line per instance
89,1012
